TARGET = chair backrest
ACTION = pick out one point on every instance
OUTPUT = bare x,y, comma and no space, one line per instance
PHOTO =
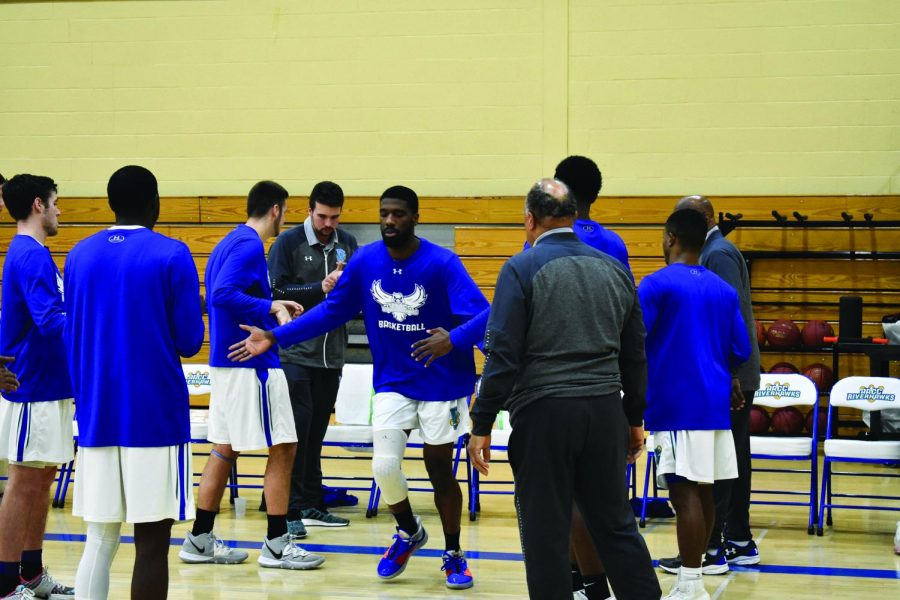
354,398
866,393
778,390
197,377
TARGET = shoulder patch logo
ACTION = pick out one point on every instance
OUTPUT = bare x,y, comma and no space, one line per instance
396,304
116,238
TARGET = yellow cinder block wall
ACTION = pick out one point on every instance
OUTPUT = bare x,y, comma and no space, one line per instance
471,97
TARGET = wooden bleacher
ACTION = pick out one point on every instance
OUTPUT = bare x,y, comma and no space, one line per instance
487,230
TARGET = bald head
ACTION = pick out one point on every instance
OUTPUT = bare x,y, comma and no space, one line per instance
702,205
550,199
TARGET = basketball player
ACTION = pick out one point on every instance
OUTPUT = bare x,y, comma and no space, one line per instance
304,265
8,381
35,418
731,530
406,287
584,180
695,336
564,339
249,405
133,309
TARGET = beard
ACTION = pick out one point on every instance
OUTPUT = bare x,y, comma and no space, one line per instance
399,240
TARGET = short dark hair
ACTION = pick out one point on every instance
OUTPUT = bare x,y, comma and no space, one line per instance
2,179
543,205
401,192
132,191
20,191
583,177
689,227
328,193
263,196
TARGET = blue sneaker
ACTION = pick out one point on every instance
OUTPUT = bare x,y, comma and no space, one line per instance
395,558
741,555
459,577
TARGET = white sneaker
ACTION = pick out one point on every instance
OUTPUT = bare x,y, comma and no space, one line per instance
20,593
281,553
206,548
897,539
579,595
688,589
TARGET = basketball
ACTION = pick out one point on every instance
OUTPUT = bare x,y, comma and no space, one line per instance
821,376
788,421
783,334
759,420
760,334
814,331
823,421
783,368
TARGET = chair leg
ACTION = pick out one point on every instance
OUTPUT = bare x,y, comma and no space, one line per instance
233,488
828,520
650,466
473,495
372,508
826,474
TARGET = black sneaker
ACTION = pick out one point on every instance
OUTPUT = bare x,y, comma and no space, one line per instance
313,517
712,565
741,555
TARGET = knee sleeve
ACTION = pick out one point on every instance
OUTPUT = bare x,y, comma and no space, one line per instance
389,446
92,578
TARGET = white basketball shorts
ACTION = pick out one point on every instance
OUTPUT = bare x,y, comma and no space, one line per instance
698,456
250,409
36,434
438,422
115,484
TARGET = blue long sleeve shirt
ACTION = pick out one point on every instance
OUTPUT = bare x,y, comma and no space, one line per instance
133,307
695,335
33,320
399,301
605,240
238,292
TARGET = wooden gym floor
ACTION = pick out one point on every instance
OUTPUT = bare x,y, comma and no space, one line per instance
854,559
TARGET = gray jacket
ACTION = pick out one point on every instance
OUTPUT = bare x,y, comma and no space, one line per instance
298,263
724,259
565,323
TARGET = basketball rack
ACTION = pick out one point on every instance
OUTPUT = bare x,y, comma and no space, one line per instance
728,222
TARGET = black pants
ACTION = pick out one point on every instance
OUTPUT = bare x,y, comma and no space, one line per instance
575,448
313,393
733,495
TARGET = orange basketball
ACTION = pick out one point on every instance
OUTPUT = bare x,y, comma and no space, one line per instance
783,334
788,420
760,334
814,332
821,376
783,368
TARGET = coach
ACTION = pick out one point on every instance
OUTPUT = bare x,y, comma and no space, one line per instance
565,337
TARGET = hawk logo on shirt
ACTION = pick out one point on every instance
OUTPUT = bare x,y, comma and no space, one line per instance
396,304
59,287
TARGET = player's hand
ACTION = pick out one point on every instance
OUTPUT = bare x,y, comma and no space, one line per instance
737,396
256,343
434,347
331,280
285,310
479,450
8,381
635,444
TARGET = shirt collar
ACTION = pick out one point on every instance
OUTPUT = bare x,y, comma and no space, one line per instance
129,227
712,231
553,232
311,234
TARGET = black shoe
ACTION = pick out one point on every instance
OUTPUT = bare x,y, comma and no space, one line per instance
712,565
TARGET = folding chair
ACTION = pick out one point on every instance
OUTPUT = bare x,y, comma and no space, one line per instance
778,391
866,394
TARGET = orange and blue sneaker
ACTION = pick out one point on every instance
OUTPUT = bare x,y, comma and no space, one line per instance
459,577
395,558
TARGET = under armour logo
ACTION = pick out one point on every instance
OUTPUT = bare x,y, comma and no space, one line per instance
398,271
307,258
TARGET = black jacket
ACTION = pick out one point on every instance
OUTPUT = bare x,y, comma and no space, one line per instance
296,269
565,323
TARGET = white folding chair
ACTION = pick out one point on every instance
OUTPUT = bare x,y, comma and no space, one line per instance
778,391
865,394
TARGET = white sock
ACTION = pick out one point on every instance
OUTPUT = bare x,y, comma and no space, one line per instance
712,551
740,544
92,577
689,574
